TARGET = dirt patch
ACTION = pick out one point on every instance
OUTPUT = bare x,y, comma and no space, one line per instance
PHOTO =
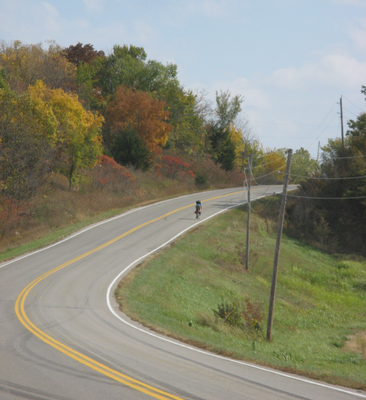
356,344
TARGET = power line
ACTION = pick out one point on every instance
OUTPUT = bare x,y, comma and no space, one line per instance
325,128
343,158
354,104
263,165
327,198
283,124
332,109
311,177
271,173
350,111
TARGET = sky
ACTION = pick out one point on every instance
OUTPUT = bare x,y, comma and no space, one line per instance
291,60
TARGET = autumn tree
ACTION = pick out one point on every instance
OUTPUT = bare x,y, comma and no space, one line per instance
245,144
24,64
88,62
79,139
82,54
28,131
130,108
272,167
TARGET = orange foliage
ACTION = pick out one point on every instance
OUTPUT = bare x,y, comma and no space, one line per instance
145,114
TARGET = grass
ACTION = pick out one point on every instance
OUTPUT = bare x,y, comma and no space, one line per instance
320,301
59,212
56,235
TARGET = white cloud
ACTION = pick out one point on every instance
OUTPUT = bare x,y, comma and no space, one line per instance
331,70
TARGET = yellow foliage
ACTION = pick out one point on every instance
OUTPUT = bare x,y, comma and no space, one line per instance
78,131
236,136
273,161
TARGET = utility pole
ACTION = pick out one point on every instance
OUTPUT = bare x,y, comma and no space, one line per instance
317,158
278,246
340,103
248,217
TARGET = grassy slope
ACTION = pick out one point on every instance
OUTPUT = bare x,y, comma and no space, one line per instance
59,212
320,301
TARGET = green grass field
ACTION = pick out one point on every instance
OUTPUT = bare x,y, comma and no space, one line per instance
320,299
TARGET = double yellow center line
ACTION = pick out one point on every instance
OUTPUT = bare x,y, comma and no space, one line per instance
89,362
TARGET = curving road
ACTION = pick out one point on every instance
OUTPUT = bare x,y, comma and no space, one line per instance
62,337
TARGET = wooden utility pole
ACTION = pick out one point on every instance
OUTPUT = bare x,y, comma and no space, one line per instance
278,246
340,103
248,217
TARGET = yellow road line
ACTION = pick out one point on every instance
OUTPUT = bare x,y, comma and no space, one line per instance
89,362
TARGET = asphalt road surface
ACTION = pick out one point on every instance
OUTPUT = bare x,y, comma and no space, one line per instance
62,336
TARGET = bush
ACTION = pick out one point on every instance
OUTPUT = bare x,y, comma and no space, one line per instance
173,167
108,174
130,149
233,314
229,313
253,316
201,179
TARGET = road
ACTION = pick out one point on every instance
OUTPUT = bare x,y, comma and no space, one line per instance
62,336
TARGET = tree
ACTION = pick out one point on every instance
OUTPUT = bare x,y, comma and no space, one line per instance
272,167
302,166
227,108
27,138
25,64
223,149
87,61
127,66
79,139
82,54
130,149
189,133
138,110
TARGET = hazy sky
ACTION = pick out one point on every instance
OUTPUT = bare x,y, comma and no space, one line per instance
290,59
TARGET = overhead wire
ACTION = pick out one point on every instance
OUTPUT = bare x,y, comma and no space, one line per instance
326,178
353,104
326,198
263,165
325,128
344,108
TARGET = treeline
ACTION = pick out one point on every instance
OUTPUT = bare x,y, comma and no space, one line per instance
75,103
67,111
331,212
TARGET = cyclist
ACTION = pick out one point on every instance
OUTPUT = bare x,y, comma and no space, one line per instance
198,208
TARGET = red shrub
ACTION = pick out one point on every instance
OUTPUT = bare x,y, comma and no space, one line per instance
109,174
173,167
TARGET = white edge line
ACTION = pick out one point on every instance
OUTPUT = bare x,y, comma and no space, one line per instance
98,224
108,295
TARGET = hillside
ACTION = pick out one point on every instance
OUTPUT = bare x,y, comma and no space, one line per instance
198,291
